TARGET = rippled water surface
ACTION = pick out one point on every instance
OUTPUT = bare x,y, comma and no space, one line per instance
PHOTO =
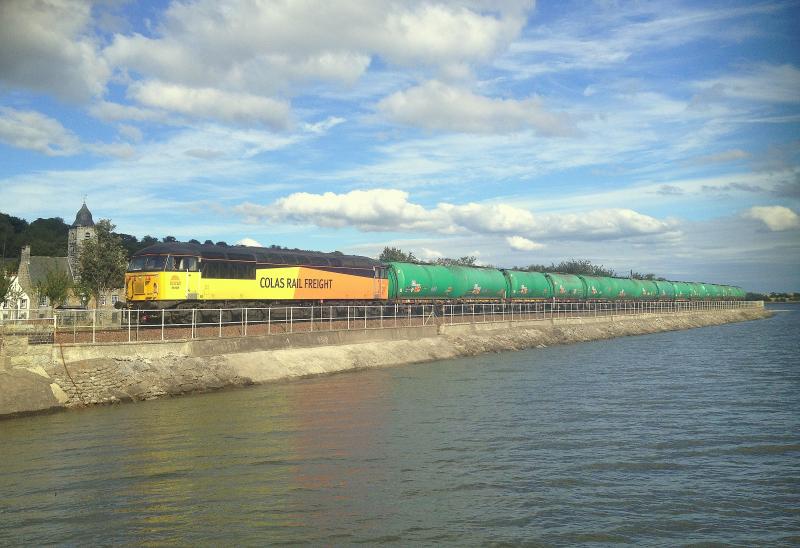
679,437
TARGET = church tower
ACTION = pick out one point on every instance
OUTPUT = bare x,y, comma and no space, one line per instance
81,231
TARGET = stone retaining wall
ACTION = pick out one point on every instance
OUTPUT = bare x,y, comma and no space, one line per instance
37,378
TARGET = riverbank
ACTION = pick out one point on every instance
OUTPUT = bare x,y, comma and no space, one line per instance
44,378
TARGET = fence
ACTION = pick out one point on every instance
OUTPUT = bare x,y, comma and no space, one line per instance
123,326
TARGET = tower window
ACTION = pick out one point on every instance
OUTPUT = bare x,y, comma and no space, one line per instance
87,236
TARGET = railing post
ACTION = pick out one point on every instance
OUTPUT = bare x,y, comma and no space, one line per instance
291,319
330,318
348,317
245,322
94,324
220,322
269,321
365,317
194,311
312,318
163,312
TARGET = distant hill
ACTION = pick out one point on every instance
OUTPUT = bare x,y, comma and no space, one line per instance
47,237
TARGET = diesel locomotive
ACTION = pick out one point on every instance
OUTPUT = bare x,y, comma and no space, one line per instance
190,275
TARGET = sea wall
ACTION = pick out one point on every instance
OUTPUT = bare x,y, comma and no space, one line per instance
41,378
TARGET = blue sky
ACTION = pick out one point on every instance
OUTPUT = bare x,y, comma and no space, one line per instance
654,136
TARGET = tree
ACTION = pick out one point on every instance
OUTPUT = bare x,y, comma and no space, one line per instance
467,260
395,254
573,266
103,262
148,241
56,287
5,286
169,239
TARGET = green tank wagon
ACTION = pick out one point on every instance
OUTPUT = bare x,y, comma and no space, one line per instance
528,285
567,286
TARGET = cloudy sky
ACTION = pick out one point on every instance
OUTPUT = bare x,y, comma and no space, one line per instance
654,136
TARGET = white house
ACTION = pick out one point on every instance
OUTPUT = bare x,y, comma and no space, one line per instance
17,303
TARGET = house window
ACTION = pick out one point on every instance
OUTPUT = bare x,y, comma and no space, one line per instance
114,299
43,300
102,300
87,236
23,303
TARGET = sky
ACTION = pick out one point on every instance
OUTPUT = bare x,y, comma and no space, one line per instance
649,136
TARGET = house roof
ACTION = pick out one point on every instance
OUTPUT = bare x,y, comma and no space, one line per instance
84,217
40,266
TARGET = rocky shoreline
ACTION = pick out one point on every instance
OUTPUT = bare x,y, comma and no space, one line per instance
47,378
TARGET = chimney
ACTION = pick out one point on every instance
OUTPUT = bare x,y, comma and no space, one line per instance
23,272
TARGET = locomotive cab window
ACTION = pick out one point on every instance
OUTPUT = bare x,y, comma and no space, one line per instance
147,263
183,264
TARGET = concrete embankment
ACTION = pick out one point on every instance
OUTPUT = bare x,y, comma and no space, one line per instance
40,378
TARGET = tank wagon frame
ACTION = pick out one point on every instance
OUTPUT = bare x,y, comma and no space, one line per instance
189,275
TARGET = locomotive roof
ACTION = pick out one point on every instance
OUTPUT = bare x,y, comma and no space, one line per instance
258,254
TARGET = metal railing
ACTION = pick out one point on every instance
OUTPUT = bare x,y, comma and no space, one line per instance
127,326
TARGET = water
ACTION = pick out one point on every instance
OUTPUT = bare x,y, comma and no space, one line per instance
681,437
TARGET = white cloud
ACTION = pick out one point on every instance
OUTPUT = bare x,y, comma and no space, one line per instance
117,150
34,131
46,46
368,210
731,155
237,108
130,132
438,106
389,210
430,254
250,242
114,112
608,35
518,243
761,83
777,218
261,48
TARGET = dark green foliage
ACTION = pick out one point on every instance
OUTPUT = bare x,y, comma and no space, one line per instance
103,262
169,239
649,276
130,243
395,254
467,260
5,285
148,241
779,297
56,287
45,236
572,266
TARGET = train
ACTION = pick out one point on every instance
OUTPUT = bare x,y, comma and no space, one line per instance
184,275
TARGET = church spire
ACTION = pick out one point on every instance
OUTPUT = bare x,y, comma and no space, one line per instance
84,216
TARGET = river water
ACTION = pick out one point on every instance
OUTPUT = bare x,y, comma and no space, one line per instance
680,437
